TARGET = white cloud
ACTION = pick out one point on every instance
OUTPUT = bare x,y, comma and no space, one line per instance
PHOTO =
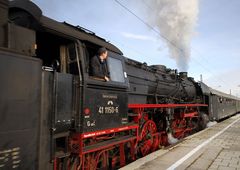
138,37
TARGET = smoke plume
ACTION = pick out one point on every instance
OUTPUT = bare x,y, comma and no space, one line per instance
175,19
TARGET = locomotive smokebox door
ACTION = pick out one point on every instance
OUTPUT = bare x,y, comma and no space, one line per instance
106,103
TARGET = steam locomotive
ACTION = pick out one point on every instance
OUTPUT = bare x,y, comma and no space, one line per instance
54,115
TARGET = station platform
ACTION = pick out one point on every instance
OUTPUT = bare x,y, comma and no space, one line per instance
217,147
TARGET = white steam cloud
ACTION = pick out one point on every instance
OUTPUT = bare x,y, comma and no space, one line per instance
175,19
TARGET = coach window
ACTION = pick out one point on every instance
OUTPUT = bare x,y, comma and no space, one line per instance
116,70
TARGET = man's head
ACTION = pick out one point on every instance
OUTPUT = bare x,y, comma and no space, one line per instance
102,52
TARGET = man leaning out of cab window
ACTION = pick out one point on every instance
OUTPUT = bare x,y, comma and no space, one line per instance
98,65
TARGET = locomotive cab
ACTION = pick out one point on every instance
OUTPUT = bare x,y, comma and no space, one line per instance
71,99
105,105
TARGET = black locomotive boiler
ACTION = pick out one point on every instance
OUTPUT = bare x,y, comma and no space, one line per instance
54,115
158,84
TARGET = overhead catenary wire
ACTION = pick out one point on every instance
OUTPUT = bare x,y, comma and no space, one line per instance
148,25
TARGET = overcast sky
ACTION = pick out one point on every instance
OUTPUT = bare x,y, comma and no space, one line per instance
215,46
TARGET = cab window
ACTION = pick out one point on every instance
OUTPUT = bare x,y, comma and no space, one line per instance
114,66
57,53
116,69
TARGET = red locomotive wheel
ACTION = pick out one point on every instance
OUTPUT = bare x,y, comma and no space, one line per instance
97,160
75,164
148,142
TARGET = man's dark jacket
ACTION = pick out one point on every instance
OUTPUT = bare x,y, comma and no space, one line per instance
98,68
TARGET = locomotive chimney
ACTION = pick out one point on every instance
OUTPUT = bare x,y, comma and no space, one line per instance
183,75
3,22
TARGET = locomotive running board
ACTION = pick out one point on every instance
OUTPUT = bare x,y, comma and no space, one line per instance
128,126
142,106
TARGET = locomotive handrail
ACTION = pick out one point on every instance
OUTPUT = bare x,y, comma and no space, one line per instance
135,106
